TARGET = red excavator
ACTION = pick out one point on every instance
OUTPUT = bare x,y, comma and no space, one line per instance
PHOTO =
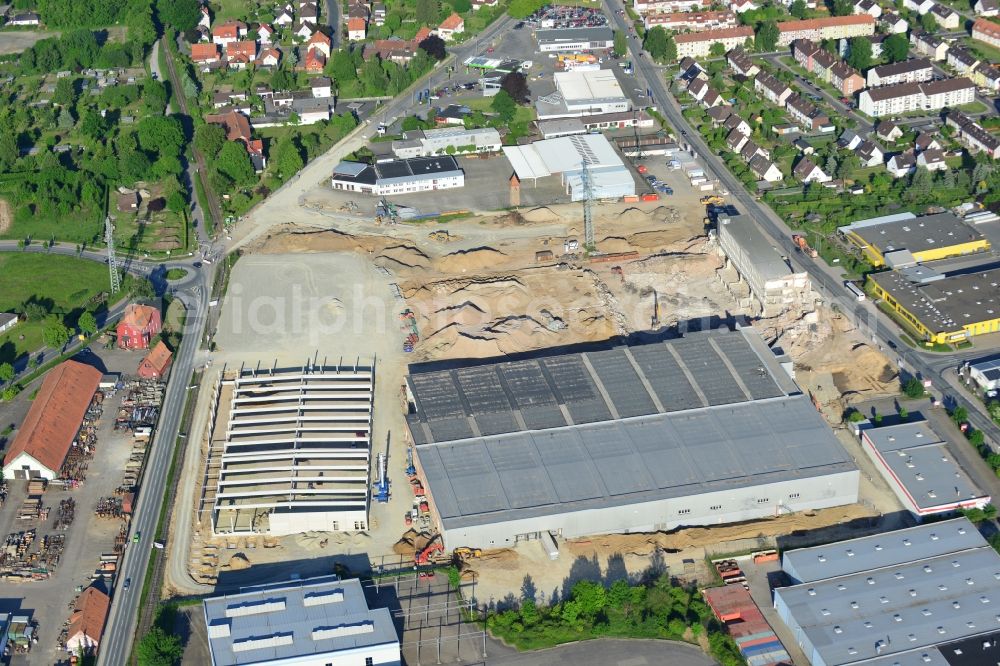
423,556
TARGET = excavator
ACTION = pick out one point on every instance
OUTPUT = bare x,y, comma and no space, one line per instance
423,556
463,553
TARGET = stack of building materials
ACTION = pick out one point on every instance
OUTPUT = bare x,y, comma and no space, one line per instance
758,644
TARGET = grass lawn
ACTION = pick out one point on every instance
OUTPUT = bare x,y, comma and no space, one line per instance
67,283
973,107
984,51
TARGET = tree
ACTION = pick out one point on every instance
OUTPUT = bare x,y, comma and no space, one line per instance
461,6
162,135
516,85
798,9
928,23
434,47
154,96
158,648
904,413
55,334
717,50
960,415
621,43
180,14
6,372
843,7
35,311
176,202
860,56
286,158
87,323
209,138
895,47
65,93
670,49
234,162
766,37
427,12
65,119
994,409
282,79
655,42
504,106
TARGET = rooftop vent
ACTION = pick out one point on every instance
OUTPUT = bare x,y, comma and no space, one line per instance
321,598
323,633
255,608
260,642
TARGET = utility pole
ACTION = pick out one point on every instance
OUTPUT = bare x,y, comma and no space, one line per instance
588,204
109,240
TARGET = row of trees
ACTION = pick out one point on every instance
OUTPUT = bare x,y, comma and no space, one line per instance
656,608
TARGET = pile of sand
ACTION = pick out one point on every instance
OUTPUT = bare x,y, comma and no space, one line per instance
474,259
698,537
411,542
238,562
402,257
541,214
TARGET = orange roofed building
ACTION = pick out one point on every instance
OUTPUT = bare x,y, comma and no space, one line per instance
50,428
138,326
156,363
86,624
205,52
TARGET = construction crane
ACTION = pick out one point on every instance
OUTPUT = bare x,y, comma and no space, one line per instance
588,204
411,471
381,486
635,131
656,309
109,240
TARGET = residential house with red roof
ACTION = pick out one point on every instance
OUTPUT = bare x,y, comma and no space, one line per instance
229,32
86,624
52,423
156,363
356,29
265,33
451,26
138,325
320,41
269,57
241,54
314,61
205,53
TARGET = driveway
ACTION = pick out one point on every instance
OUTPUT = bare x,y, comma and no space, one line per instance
604,652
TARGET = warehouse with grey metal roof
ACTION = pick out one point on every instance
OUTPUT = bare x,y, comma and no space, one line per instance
892,598
917,465
703,429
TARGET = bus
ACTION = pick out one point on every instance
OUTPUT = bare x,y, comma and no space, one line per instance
859,295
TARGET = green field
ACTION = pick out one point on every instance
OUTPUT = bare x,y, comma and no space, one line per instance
66,284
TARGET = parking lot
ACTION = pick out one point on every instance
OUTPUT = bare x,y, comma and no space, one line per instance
70,518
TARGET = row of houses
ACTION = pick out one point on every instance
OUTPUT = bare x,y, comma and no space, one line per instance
699,44
973,135
692,21
738,138
805,114
230,48
901,98
826,66
946,17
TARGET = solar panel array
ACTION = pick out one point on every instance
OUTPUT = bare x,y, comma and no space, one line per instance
705,369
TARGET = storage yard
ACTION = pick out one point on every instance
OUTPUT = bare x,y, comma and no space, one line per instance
63,535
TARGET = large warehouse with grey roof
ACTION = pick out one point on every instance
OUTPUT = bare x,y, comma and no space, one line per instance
912,597
699,430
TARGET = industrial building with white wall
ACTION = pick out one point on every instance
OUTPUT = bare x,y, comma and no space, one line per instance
321,621
917,465
568,157
701,430
290,451
763,268
582,93
910,597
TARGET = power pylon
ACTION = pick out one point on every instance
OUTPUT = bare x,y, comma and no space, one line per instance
109,240
588,204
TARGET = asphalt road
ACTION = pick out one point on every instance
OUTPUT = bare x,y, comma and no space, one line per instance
607,652
826,280
333,21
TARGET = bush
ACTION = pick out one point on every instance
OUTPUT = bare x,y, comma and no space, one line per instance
913,388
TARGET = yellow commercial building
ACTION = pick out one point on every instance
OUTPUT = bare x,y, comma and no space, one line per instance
942,309
914,239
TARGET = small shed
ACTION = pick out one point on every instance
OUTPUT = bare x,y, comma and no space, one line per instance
128,202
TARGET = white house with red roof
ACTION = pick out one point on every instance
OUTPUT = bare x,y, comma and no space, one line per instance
205,19
269,57
264,33
356,29
226,33
320,42
451,26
